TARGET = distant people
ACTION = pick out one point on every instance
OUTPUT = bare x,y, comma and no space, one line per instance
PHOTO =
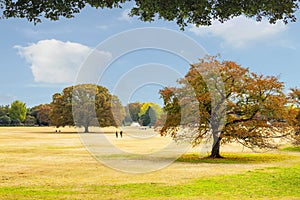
121,133
116,134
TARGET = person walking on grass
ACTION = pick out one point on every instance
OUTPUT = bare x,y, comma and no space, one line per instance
116,134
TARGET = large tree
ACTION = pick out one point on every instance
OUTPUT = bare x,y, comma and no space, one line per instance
149,118
230,103
86,105
183,12
17,111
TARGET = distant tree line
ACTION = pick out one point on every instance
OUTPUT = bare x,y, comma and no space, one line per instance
82,105
18,114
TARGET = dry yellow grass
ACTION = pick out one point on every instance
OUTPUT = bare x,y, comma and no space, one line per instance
39,159
39,156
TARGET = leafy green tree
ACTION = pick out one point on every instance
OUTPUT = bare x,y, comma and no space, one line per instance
92,105
149,118
249,109
4,110
32,111
183,12
149,114
157,109
152,116
145,118
17,111
30,120
5,120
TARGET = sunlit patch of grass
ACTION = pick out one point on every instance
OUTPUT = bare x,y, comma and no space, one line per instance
279,183
253,184
292,148
236,158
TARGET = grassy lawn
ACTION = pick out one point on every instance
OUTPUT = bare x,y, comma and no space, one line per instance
292,148
39,164
273,182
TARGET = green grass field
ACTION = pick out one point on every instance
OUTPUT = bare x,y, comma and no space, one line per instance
36,163
292,148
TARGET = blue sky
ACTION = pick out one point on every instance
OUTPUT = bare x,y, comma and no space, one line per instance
38,61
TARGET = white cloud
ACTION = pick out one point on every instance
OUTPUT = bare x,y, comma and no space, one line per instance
125,16
240,31
54,61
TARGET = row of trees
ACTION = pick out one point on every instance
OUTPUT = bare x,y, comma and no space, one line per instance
18,114
13,114
83,105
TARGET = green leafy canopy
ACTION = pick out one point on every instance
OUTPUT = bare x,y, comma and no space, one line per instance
183,12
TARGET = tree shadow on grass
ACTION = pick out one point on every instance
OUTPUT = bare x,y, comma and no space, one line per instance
236,158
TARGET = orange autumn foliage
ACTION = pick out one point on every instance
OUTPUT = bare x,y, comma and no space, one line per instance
231,103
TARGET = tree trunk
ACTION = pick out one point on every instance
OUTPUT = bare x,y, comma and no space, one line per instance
215,152
86,129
